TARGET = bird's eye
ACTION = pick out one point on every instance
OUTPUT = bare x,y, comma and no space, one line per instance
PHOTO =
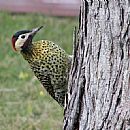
23,36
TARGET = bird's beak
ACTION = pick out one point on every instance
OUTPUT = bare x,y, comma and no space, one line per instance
35,30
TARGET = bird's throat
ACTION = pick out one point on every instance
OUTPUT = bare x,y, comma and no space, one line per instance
28,52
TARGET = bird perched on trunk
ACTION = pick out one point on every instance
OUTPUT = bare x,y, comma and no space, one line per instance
48,61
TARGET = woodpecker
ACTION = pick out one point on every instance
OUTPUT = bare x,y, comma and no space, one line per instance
49,62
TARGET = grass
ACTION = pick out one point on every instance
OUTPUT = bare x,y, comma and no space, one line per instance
22,105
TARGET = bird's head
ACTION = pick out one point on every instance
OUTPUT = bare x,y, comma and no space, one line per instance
22,39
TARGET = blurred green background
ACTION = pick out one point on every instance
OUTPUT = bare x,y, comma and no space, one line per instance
24,104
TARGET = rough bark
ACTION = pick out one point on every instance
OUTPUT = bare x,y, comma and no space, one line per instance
99,80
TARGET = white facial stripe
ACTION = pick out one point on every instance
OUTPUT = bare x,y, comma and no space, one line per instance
20,41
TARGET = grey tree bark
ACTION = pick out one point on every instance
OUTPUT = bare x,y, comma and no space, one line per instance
99,79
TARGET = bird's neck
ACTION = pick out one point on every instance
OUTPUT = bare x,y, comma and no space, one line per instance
29,53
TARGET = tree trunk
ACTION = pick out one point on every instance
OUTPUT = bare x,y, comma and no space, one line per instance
99,79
